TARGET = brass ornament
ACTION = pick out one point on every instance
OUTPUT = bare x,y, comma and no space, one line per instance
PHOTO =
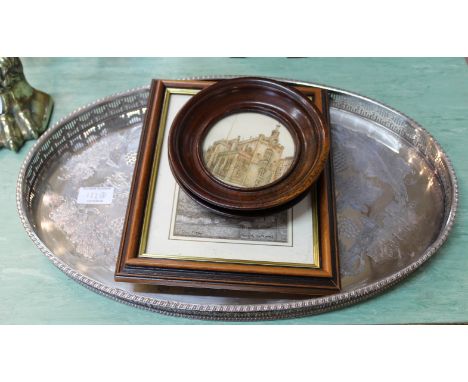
24,111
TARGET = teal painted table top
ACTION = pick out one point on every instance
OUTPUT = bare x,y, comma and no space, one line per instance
434,92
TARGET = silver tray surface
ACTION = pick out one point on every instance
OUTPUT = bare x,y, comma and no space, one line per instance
396,197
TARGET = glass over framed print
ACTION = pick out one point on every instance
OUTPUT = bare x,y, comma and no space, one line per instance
248,150
172,239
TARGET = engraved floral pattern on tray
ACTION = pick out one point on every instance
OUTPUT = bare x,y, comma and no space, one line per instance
95,230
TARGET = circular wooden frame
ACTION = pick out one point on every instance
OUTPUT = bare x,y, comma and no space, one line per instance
286,105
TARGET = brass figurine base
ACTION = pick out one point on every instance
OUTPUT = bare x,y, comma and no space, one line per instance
24,111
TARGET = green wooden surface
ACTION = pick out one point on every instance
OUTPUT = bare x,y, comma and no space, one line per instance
434,92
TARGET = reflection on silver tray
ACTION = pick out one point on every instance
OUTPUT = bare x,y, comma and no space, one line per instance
396,196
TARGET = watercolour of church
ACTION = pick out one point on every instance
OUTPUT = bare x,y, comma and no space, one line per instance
251,162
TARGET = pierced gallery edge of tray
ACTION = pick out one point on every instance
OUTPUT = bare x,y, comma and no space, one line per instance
396,196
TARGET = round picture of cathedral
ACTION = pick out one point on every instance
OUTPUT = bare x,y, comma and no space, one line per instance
248,150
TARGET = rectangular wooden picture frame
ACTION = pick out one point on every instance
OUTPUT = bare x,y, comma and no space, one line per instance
168,239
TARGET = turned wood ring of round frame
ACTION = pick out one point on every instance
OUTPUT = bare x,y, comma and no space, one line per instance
287,107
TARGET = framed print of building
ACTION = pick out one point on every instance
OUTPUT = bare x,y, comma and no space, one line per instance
171,239
248,150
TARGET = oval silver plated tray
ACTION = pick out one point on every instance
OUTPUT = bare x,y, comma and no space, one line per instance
396,195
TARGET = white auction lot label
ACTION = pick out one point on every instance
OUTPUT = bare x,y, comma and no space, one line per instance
95,195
